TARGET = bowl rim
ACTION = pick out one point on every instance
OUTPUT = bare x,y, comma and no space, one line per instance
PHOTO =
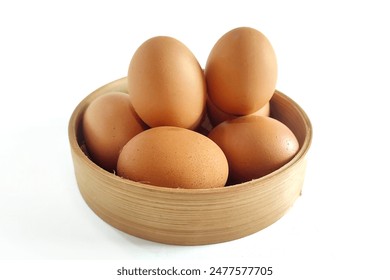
127,183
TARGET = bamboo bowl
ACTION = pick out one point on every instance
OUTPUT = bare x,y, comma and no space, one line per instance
191,217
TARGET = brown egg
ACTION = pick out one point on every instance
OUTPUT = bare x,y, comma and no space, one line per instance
166,84
109,122
173,157
241,71
217,116
254,146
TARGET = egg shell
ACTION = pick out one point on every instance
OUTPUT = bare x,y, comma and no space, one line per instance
216,116
173,157
241,71
109,123
166,84
254,146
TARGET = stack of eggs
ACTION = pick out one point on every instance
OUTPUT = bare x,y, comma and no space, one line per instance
181,127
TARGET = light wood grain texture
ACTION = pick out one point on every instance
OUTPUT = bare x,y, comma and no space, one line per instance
185,216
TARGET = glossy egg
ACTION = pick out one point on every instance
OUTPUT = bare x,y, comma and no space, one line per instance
166,84
254,146
173,157
241,71
109,122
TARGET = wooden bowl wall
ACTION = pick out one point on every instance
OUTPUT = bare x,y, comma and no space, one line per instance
191,217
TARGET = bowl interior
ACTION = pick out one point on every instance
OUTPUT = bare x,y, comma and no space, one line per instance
283,109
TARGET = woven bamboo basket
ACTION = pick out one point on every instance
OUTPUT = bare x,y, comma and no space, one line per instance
184,216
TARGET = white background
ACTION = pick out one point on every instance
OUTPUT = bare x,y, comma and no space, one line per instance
333,59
